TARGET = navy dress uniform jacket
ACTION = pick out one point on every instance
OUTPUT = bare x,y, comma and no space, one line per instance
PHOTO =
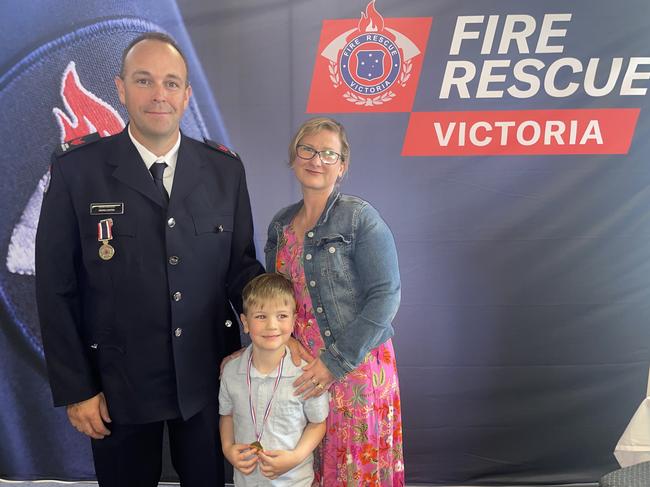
149,326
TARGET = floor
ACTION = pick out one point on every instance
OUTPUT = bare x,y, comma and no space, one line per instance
49,483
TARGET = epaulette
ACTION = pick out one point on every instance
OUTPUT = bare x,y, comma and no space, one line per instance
222,148
70,145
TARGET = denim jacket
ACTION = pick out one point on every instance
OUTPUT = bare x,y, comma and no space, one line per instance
352,275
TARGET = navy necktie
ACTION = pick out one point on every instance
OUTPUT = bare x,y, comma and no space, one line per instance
157,169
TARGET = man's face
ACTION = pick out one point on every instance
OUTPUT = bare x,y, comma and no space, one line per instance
154,91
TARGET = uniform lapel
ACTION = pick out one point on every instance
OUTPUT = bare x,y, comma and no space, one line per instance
188,172
131,170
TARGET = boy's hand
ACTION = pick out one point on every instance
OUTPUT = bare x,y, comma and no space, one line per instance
274,463
242,457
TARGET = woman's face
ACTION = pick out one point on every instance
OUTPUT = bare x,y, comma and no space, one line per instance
313,174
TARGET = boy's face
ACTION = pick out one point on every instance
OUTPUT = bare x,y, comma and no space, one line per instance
270,323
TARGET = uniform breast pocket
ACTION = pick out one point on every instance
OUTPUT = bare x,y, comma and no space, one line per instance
213,224
119,232
213,237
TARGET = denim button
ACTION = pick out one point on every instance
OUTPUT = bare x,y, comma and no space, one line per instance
331,250
178,332
312,283
327,333
319,310
308,256
310,234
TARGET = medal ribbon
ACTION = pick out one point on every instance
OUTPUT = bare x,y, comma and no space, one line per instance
267,411
105,230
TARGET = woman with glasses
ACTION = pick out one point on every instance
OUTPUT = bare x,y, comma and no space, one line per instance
341,258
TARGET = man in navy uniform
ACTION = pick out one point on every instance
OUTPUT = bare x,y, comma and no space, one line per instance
144,239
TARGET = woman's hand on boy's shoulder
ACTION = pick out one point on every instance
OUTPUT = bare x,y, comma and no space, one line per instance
298,352
230,357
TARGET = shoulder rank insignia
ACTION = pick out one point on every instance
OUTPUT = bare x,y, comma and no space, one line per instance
222,148
72,144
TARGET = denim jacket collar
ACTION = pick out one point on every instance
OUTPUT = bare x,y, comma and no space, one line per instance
292,210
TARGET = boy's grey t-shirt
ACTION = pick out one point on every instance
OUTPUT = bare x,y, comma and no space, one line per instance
288,417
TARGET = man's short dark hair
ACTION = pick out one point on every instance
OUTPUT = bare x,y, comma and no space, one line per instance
155,36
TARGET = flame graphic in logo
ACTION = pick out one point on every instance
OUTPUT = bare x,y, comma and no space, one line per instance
88,114
371,21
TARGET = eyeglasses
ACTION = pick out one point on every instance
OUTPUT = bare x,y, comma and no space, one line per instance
326,156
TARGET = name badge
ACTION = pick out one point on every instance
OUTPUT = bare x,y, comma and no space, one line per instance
106,208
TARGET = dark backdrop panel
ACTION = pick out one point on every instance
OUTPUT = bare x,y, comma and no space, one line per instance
522,338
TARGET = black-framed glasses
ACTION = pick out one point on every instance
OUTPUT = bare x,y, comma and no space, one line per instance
327,156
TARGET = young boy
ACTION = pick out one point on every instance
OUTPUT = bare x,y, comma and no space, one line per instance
267,433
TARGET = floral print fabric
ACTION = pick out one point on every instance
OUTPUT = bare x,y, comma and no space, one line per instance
363,443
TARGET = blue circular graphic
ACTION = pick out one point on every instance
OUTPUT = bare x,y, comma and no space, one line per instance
370,63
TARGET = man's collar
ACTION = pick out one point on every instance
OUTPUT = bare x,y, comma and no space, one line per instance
149,157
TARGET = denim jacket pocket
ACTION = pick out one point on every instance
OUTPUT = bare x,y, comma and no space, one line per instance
336,254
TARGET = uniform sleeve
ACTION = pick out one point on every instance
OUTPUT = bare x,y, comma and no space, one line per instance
58,296
375,261
243,264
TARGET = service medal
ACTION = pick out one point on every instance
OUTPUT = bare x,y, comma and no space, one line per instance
106,251
256,445
104,234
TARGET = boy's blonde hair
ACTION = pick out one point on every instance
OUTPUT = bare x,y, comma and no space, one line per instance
267,287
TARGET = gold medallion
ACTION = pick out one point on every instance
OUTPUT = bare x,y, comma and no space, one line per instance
106,251
257,446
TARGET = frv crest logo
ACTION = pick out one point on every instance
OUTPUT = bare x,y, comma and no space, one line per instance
368,65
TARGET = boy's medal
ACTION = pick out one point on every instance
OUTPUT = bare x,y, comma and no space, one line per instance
104,234
256,444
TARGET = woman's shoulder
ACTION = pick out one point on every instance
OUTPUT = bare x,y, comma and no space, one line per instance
357,206
285,214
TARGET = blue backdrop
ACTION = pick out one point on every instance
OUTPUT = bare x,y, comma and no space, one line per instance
522,339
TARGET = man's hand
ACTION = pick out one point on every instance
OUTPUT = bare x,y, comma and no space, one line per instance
241,456
89,416
298,352
274,463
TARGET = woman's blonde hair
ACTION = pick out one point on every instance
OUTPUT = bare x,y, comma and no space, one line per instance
314,125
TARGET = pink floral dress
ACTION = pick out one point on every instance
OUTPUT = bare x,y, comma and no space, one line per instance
363,443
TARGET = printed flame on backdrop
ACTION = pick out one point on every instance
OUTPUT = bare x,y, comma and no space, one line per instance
85,113
368,65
